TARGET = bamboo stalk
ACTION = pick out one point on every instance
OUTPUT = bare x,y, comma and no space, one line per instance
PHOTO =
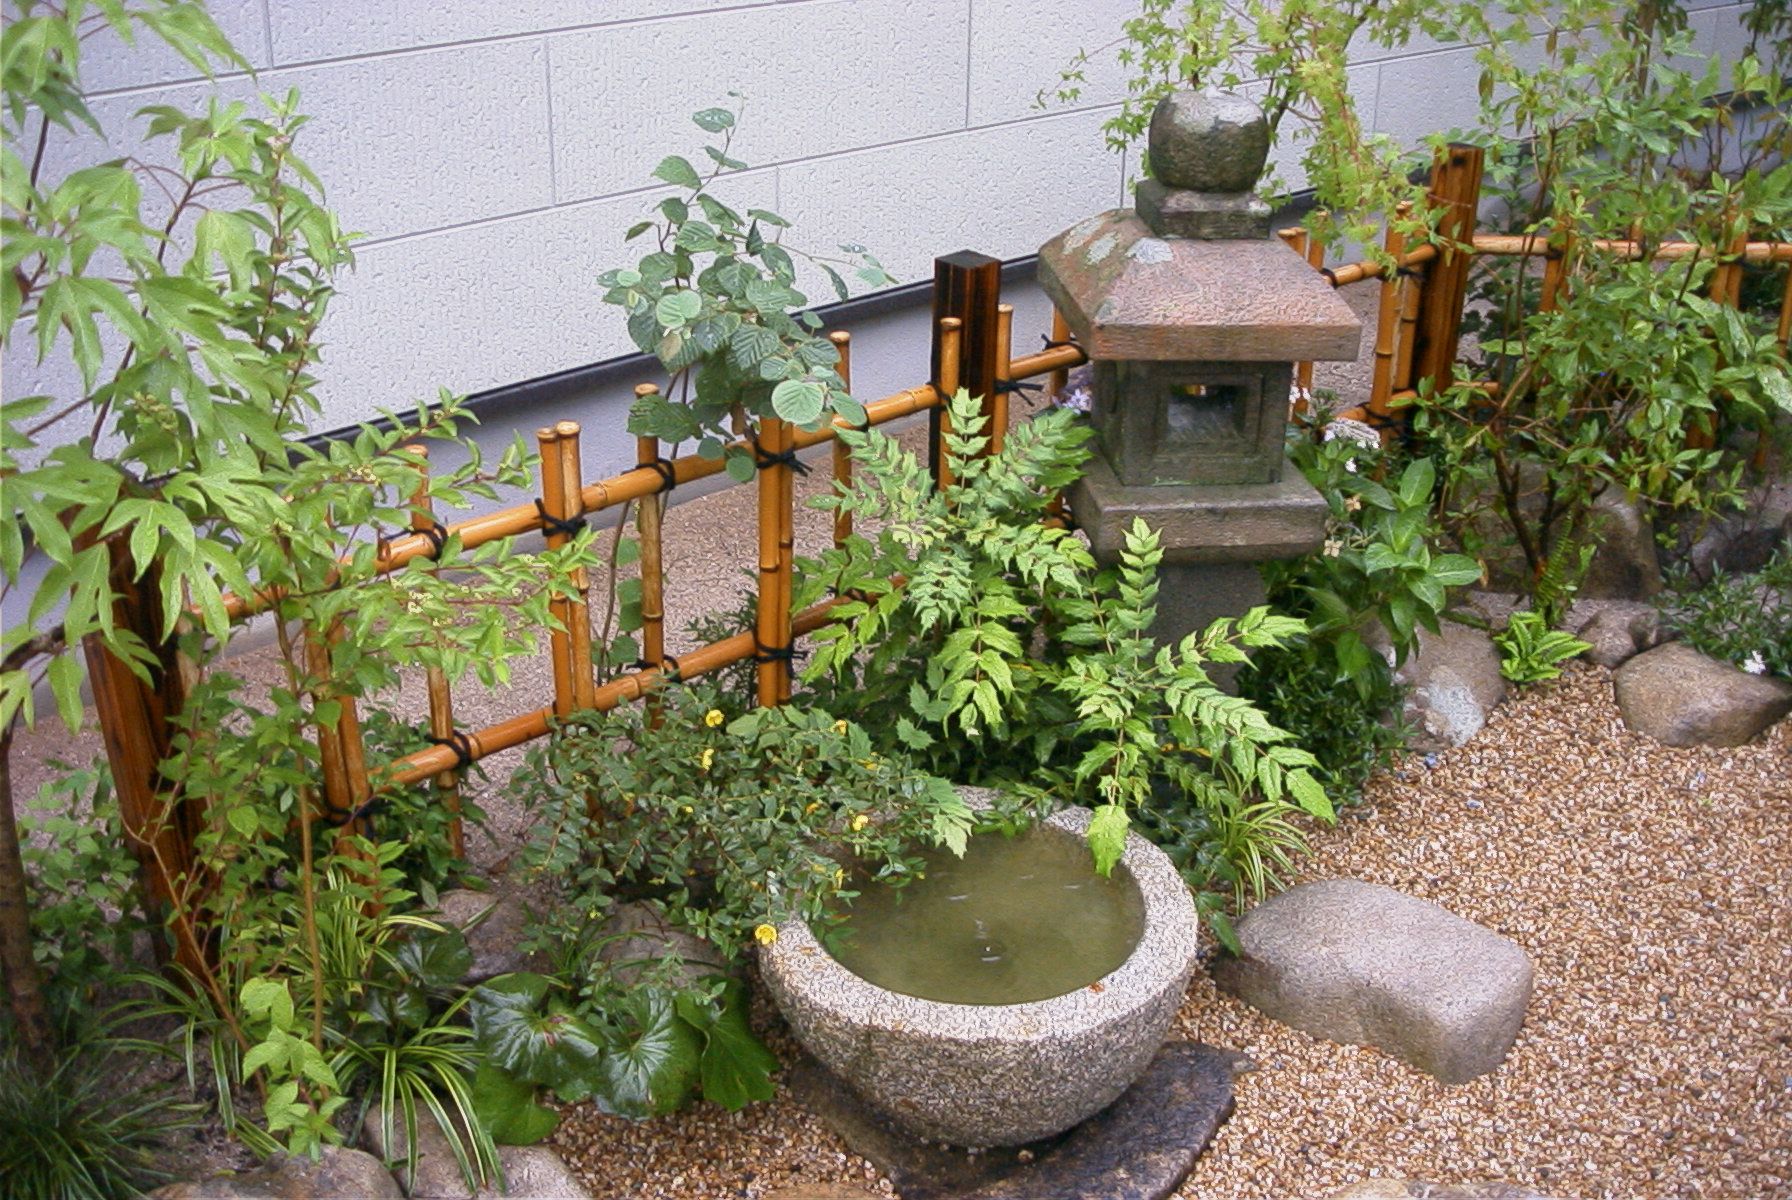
553,496
998,398
1060,374
951,331
842,453
1785,325
786,558
772,625
1456,189
1387,319
441,696
1410,287
649,516
572,505
1357,272
1726,280
1555,270
1518,245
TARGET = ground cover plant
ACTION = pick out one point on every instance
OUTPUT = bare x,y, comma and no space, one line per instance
1743,617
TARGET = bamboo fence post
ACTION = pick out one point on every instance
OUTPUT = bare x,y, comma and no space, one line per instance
967,286
1060,379
1555,270
772,629
1785,326
441,697
1456,188
572,508
1387,331
649,525
947,338
1313,252
841,451
559,607
1726,280
999,388
338,794
136,719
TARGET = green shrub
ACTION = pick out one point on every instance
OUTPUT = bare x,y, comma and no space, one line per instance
1743,618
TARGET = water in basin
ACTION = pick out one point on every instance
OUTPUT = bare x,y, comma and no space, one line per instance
1016,919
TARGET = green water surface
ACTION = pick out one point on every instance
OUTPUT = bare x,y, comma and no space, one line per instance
1016,919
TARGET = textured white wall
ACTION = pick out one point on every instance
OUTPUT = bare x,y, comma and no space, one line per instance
494,153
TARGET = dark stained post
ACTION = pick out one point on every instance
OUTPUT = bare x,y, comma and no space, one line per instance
1456,188
137,725
968,286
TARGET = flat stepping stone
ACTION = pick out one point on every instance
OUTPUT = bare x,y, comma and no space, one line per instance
1418,1189
1682,698
1362,964
1141,1147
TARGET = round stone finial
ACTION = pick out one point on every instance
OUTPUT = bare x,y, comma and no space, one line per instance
1208,141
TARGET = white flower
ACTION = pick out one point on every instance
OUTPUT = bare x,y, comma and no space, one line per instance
1754,664
1350,465
1333,547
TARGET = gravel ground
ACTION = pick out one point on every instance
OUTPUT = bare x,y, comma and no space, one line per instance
1652,888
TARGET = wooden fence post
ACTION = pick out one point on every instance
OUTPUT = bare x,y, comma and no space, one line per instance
772,633
1456,188
968,286
136,719
842,454
441,697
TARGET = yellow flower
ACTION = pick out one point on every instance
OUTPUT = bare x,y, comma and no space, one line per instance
839,726
859,822
713,717
709,756
765,935
839,877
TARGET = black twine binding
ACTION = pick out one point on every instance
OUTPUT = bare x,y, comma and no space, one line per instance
663,467
461,744
563,526
762,458
763,653
667,667
437,537
1051,345
1016,387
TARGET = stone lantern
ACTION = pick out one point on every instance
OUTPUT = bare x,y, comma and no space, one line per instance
1193,318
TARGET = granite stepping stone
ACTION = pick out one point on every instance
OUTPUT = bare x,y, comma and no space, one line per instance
1362,964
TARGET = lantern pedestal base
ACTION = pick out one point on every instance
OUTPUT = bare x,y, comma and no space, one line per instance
1213,536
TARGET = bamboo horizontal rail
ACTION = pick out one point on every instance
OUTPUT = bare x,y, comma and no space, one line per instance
637,482
1538,246
1357,272
420,765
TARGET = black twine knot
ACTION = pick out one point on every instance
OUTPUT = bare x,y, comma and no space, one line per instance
461,744
763,653
437,537
1083,355
764,459
559,526
667,666
1017,387
663,467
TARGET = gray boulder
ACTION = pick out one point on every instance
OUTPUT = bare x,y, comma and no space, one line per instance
337,1174
638,937
494,925
530,1172
1678,696
1363,964
1452,682
1615,630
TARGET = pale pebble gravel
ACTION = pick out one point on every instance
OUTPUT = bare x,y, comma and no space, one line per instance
1651,886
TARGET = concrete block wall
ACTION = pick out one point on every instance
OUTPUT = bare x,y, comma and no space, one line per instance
494,154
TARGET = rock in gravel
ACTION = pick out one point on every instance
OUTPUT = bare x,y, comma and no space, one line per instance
337,1174
1416,1189
1453,681
1682,698
1615,630
636,935
494,937
530,1172
1364,964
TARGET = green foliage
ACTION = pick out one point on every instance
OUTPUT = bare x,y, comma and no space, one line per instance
300,1092
1743,618
985,641
716,302
1328,687
1530,651
724,825
85,911
82,1133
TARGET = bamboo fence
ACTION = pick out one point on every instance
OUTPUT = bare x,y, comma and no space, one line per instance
1419,312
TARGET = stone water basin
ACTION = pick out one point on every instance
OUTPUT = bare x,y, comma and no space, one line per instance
999,1074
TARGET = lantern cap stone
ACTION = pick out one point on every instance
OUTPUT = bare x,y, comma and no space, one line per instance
1207,153
1128,292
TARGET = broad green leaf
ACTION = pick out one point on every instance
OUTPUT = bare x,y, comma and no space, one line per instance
1107,836
652,1070
736,1067
678,172
799,401
506,1106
